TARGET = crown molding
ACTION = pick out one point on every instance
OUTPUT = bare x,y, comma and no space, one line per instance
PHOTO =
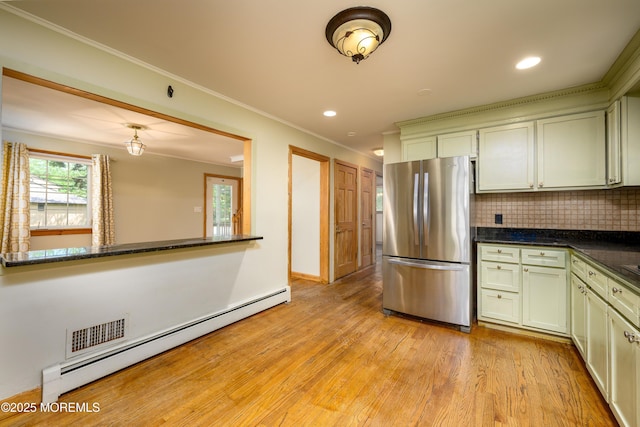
588,89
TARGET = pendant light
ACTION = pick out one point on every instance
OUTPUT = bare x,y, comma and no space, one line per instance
135,147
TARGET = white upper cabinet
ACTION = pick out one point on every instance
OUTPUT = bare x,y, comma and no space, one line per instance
614,169
571,151
630,139
458,144
506,157
419,149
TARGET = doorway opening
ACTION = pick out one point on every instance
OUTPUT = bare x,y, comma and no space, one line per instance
308,215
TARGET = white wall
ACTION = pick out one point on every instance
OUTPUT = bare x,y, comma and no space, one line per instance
33,49
305,216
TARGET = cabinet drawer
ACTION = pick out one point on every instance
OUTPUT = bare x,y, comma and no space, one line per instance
625,301
500,276
498,305
544,257
598,281
500,253
579,267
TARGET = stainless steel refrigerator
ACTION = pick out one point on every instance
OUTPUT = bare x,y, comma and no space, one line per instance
427,240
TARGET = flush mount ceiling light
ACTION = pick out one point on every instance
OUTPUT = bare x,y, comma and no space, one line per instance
358,31
135,147
378,152
528,62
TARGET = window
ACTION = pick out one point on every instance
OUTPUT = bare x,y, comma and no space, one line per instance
379,198
59,192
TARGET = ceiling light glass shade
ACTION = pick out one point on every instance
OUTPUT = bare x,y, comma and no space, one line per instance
135,147
358,31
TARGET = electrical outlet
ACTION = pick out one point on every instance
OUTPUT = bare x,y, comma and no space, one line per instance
498,219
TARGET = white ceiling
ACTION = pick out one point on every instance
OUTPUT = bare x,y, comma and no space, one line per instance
273,55
43,111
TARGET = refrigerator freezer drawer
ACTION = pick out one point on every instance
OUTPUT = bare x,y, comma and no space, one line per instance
432,290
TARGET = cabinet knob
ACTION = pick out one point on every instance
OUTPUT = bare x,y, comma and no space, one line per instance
591,273
525,270
499,267
541,184
531,185
499,251
631,337
616,290
499,296
541,253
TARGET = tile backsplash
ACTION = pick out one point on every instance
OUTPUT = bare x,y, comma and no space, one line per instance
617,209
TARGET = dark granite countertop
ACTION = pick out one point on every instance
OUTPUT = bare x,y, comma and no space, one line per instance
17,259
617,252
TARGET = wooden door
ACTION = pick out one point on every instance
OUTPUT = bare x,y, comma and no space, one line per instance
346,218
367,196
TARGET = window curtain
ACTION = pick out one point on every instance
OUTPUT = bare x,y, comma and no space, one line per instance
14,198
102,201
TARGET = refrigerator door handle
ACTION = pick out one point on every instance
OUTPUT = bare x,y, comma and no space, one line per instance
454,267
425,208
416,203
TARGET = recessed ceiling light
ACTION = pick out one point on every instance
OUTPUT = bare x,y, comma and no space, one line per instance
329,113
351,133
423,92
528,62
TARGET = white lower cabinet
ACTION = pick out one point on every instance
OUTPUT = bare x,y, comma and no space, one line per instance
624,351
524,287
605,315
544,297
501,305
589,331
597,341
579,315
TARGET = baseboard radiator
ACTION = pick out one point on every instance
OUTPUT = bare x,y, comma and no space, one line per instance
66,376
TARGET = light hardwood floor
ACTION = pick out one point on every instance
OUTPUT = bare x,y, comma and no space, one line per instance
331,357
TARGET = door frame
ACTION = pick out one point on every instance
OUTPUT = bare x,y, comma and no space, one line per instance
324,210
240,195
361,220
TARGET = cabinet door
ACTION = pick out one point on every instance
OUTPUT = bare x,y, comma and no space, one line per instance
419,149
578,315
506,158
500,276
597,341
571,151
624,364
544,296
458,144
630,137
614,175
499,305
